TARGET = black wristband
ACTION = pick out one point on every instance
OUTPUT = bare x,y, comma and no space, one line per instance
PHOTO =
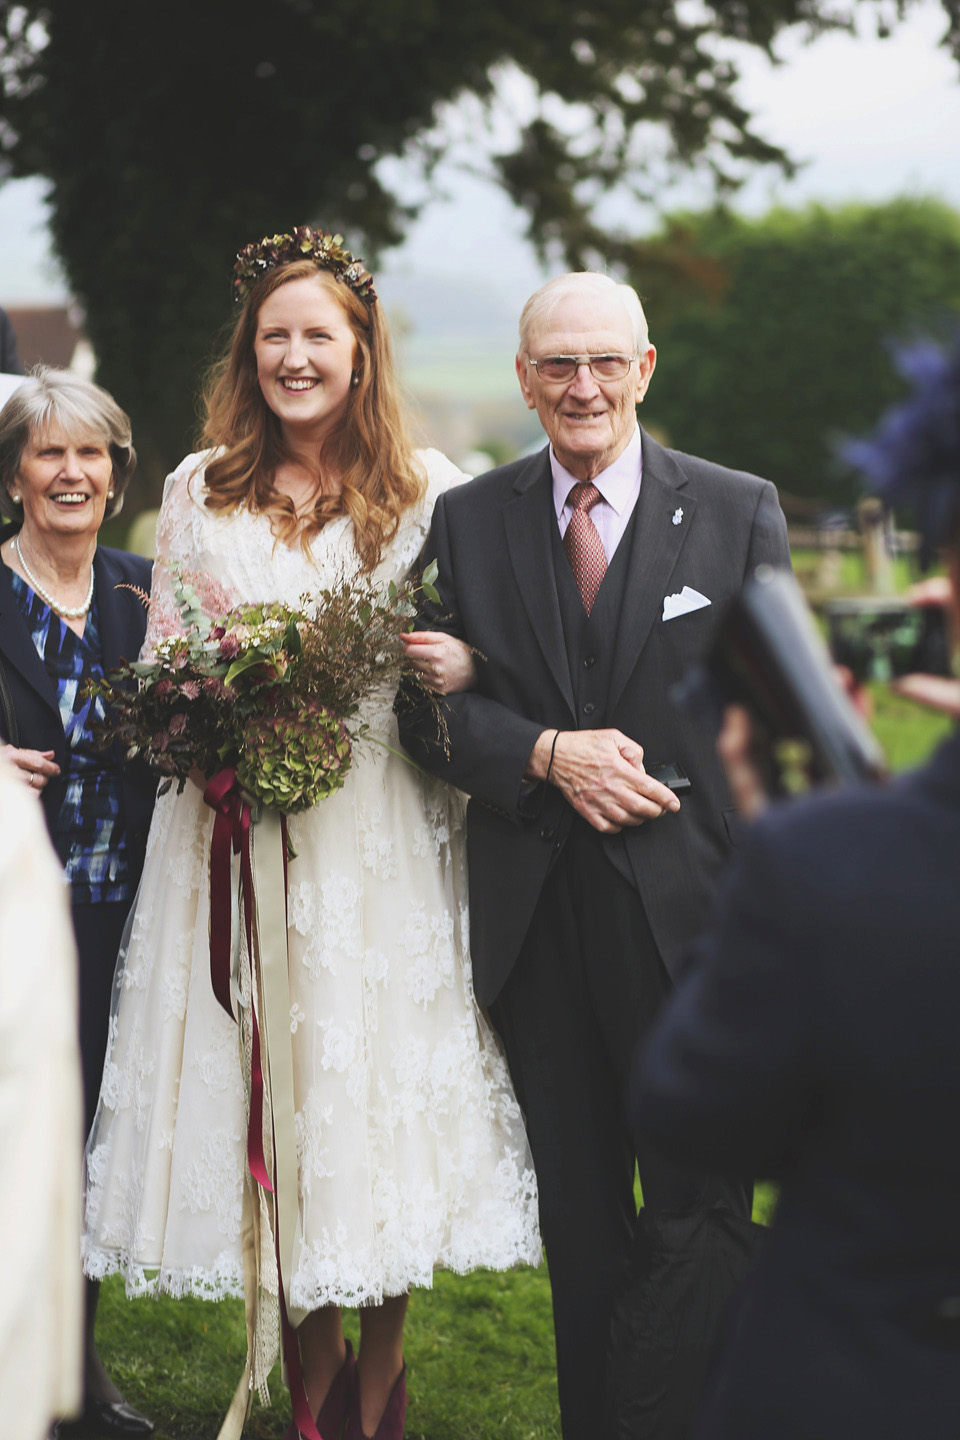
553,748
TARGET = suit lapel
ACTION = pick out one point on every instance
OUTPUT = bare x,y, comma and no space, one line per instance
527,517
117,637
18,648
657,543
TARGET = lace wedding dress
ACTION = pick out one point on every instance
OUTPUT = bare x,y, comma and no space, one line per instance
411,1147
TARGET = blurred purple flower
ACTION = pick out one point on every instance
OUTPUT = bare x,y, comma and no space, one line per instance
913,457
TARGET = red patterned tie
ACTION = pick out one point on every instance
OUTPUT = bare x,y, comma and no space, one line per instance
582,543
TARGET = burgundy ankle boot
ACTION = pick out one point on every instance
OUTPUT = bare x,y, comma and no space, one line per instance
334,1409
391,1421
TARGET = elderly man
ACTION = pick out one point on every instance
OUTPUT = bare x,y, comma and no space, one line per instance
587,578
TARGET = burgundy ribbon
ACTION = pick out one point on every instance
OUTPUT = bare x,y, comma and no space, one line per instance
299,1403
231,835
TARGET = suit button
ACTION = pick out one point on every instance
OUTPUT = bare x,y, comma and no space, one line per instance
589,708
548,832
589,661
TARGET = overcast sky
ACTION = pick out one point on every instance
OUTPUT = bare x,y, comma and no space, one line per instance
874,119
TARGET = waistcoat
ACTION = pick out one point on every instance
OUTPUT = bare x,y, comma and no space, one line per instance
590,641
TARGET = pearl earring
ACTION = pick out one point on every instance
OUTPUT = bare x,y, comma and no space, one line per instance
109,494
16,497
354,380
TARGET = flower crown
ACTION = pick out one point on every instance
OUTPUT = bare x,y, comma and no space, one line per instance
913,457
304,243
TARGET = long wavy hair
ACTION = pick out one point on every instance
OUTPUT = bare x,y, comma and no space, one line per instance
370,452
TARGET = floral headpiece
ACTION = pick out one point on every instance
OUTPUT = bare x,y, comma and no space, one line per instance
304,243
913,457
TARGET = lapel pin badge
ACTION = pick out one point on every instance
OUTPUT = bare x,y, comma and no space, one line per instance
677,515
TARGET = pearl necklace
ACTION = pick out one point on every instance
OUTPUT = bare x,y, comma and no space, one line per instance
66,611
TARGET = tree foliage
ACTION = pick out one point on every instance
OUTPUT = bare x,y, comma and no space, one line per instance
174,132
782,349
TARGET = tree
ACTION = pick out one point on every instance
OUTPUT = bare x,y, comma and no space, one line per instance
782,350
173,132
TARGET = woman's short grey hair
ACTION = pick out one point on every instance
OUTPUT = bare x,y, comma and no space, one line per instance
80,409
542,302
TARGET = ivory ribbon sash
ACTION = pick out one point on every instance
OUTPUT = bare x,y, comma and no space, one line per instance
261,843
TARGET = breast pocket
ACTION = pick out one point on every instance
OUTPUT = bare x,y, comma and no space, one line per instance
685,640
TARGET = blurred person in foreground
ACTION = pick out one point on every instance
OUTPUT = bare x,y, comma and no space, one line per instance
814,1038
41,1312
67,614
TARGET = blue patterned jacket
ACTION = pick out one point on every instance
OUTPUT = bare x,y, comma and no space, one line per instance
122,628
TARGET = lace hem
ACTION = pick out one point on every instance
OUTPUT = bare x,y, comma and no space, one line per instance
312,1294
224,1281
312,1288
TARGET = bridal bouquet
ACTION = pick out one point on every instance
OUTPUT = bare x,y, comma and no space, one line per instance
271,690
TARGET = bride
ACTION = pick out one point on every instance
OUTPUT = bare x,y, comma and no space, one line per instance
410,1144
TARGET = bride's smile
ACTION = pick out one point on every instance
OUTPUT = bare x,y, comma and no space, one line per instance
306,355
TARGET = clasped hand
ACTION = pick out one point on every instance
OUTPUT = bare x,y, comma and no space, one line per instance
445,664
601,774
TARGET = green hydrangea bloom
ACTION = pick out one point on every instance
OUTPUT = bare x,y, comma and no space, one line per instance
291,764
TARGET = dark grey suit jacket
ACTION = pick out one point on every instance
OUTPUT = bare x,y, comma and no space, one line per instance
698,525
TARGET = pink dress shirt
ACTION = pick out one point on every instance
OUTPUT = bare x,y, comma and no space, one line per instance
619,485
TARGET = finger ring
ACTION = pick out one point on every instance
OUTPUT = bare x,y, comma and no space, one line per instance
33,776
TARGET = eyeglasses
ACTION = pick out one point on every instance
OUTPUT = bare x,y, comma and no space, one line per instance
561,368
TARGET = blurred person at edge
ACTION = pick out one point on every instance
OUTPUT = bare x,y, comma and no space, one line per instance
9,357
66,459
814,1037
41,1311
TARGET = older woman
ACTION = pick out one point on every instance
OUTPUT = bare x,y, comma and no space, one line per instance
65,462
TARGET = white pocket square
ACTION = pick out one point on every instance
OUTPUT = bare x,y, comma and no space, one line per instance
687,600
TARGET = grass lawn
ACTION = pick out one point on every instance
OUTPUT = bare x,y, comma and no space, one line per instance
479,1352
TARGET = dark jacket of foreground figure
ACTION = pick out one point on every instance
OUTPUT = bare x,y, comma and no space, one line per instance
820,1020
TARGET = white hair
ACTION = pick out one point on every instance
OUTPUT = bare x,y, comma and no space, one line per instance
590,282
80,408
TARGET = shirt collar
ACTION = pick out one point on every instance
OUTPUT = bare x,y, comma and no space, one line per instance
616,484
